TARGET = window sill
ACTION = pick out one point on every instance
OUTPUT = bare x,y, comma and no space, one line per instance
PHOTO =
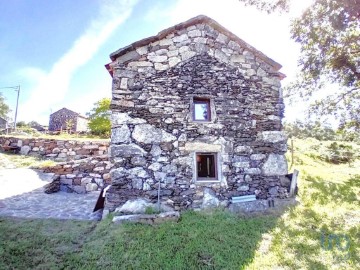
199,182
202,121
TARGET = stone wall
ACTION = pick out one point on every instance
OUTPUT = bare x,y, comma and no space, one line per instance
154,138
58,150
85,175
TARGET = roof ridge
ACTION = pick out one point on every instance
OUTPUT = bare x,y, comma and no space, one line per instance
195,20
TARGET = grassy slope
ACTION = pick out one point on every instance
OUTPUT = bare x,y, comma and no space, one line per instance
329,204
329,196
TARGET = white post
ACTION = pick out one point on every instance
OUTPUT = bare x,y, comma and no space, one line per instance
293,183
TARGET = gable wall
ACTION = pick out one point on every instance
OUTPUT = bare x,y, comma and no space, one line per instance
58,119
154,138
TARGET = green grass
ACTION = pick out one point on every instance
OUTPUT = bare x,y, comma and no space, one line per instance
40,244
329,204
329,198
199,240
21,161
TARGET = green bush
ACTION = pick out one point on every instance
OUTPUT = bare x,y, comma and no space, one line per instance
340,153
99,116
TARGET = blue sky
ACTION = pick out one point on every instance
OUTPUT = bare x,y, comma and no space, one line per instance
56,50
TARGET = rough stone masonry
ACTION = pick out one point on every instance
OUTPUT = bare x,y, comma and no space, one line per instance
236,148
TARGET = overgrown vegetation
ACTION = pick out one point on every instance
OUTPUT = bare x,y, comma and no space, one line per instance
328,33
328,151
340,153
99,116
329,196
4,108
320,131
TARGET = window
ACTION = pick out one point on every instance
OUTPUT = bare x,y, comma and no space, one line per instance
206,166
201,109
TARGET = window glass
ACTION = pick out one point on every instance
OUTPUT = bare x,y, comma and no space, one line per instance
206,166
201,109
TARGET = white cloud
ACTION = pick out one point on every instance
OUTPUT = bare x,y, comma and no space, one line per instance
52,86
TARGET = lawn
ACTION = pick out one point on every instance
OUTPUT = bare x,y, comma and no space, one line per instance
321,232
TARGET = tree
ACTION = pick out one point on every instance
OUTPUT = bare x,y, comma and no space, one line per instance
318,130
69,124
328,33
4,108
33,124
21,124
99,123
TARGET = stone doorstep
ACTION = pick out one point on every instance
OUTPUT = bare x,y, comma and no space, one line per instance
148,219
262,206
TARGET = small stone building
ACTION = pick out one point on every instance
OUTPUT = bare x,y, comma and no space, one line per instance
3,123
59,119
198,110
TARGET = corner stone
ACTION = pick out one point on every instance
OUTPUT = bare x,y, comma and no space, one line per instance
275,165
120,134
148,134
272,136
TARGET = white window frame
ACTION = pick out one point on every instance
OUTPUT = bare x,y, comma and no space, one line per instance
212,110
217,168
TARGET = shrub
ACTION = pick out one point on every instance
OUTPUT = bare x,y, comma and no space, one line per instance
340,153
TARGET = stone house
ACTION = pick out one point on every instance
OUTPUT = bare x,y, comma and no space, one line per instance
198,110
59,119
3,123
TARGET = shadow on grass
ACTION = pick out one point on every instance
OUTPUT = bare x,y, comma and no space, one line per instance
316,238
325,192
217,240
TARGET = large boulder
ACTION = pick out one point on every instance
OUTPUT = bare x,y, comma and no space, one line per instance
140,205
148,219
137,206
54,186
24,150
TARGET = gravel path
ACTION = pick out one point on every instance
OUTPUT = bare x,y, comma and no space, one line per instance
22,195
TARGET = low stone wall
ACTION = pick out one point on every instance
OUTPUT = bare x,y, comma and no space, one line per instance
85,175
58,150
